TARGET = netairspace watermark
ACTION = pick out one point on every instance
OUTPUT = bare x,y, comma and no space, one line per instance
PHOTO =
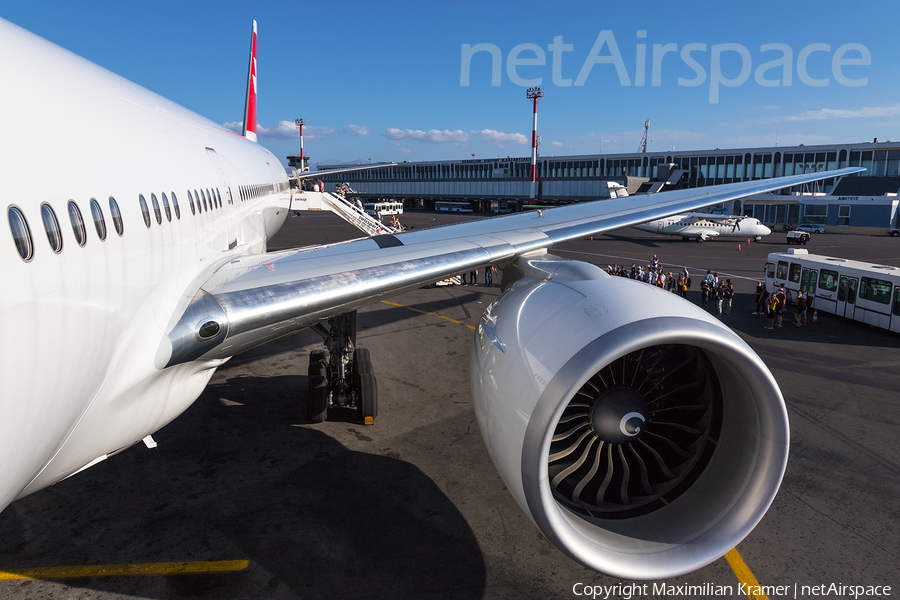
629,591
778,70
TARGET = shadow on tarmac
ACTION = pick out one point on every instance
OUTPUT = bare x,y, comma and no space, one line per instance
237,480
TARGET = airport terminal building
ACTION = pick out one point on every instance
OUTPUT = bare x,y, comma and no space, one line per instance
866,203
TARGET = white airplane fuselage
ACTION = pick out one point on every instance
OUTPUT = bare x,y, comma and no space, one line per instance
692,226
81,327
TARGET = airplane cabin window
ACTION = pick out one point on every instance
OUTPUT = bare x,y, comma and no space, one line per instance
205,205
197,196
116,216
156,210
99,223
166,207
191,202
176,207
219,196
144,210
77,223
21,234
51,226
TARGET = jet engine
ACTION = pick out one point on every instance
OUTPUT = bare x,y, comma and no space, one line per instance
642,436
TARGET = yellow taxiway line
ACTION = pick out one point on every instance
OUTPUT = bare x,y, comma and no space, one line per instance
425,312
745,575
162,568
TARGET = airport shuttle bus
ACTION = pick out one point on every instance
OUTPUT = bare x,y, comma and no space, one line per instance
386,208
856,290
456,207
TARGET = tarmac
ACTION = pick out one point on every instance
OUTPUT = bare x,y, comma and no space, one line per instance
412,507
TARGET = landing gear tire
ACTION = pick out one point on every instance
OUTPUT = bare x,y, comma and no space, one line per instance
365,386
362,362
317,393
699,239
367,398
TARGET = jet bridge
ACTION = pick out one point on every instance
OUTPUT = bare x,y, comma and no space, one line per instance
339,205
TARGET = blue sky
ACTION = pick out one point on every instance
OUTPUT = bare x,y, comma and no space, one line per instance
382,80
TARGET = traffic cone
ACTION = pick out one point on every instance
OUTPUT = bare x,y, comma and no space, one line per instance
815,316
739,247
748,241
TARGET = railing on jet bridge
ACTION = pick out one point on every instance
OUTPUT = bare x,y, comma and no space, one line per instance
359,219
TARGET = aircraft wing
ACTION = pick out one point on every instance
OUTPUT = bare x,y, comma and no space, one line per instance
254,299
692,233
723,219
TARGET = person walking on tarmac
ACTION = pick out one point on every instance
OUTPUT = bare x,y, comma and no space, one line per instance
728,296
800,314
781,299
489,275
771,309
760,298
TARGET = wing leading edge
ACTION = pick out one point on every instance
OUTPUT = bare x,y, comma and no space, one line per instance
252,300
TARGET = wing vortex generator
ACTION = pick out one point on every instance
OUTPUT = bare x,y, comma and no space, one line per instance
643,437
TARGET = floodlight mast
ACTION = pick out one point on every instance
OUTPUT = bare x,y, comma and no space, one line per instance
534,94
300,123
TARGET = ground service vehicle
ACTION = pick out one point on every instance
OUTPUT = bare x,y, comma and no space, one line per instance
797,237
386,208
456,207
847,288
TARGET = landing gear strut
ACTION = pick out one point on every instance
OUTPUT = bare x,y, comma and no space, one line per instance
344,379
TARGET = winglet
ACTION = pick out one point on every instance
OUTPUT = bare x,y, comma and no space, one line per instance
250,101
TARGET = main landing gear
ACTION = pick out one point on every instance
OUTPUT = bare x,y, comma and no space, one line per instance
342,377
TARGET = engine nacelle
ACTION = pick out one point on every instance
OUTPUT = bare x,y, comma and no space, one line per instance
643,437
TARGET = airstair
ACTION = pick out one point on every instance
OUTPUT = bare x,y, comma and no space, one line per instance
342,207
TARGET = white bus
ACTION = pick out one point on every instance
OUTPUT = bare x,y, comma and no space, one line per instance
387,208
856,290
456,207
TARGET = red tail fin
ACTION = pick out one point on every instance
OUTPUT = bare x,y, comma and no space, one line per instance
250,105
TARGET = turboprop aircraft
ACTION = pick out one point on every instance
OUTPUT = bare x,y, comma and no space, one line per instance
640,435
703,227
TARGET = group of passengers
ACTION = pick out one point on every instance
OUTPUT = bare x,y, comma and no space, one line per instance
654,274
472,279
774,306
717,292
312,185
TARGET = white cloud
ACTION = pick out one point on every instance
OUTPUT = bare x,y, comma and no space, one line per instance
287,130
490,136
358,129
433,136
556,144
314,133
235,126
836,113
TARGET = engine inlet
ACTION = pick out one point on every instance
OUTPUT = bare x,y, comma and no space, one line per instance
637,434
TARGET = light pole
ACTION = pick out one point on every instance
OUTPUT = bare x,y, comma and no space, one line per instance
534,94
300,123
